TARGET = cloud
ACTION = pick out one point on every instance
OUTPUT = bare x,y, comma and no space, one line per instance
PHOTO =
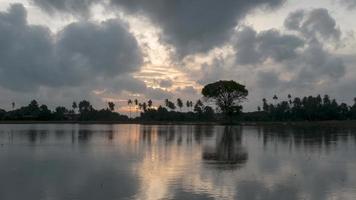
351,4
104,49
302,55
268,79
188,90
167,83
319,64
157,94
316,23
254,48
190,26
32,56
76,7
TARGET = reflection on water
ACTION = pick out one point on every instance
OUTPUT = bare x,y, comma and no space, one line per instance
176,162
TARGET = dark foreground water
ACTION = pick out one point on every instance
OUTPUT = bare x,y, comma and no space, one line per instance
104,162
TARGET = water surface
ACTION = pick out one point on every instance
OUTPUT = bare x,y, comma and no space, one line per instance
92,162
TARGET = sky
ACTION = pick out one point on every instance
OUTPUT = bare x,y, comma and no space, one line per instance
60,51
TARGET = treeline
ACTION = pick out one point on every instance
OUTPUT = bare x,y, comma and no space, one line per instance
302,109
293,109
83,111
173,111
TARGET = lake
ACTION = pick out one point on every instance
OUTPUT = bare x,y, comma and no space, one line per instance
94,162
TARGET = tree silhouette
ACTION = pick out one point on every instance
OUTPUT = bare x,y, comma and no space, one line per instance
180,104
74,106
111,106
129,103
187,104
84,106
227,95
136,104
149,103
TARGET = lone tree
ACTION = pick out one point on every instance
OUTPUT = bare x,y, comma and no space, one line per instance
227,95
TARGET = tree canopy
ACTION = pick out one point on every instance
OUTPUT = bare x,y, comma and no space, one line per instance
227,95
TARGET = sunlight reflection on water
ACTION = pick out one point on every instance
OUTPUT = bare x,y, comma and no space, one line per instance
175,162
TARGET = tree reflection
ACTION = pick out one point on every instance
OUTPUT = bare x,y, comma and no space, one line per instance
84,135
228,151
307,137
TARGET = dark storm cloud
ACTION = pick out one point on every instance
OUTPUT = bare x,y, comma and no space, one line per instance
26,52
191,26
195,26
313,24
103,49
31,56
254,48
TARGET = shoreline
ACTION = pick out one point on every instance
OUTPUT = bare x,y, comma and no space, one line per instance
350,123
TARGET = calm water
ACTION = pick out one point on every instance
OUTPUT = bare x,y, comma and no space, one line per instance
104,162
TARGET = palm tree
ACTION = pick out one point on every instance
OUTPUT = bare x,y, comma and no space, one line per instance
74,106
166,102
13,105
111,106
144,106
149,103
275,98
136,104
180,104
129,102
290,99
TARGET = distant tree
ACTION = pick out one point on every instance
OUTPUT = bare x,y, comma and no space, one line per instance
290,99
258,108
265,105
199,107
166,103
180,103
149,103
13,105
144,106
111,106
187,104
171,105
136,104
74,106
60,112
353,110
33,105
84,106
227,95
44,113
275,98
140,106
129,103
